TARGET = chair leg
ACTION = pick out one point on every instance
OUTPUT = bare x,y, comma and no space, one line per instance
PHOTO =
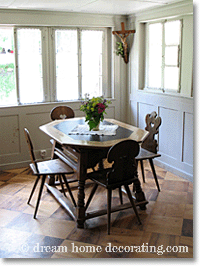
61,183
39,195
120,195
35,184
154,173
109,197
132,202
91,196
69,190
142,169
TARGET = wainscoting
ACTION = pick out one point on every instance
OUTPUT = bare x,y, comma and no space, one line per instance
13,147
175,137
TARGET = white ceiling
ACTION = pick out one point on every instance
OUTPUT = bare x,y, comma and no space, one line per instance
87,6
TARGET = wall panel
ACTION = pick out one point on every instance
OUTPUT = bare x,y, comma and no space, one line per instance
169,133
188,139
175,139
9,135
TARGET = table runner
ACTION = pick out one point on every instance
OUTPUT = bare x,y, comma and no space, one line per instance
104,130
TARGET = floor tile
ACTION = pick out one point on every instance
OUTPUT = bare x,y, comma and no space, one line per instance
56,228
188,214
180,186
10,189
13,241
187,229
44,208
164,225
169,210
172,197
6,216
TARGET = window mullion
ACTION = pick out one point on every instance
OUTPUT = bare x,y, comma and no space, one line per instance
179,54
163,57
52,65
79,64
45,66
104,66
16,66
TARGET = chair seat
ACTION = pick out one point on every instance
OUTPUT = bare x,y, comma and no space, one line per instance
52,167
100,177
145,154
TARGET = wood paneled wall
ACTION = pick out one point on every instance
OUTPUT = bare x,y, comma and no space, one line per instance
175,137
13,147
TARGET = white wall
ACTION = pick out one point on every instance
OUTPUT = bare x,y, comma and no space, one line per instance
176,132
13,149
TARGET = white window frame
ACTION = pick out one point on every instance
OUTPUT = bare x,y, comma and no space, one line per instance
162,89
105,80
49,60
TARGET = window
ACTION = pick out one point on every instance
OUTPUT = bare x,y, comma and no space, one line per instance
29,65
66,64
164,55
52,64
92,62
7,67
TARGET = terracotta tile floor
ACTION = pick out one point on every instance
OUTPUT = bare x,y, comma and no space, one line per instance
166,230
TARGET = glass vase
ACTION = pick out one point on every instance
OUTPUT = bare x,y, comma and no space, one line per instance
96,128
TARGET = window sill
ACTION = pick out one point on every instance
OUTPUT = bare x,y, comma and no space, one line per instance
67,102
165,93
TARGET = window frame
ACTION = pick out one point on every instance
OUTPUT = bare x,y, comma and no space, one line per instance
44,59
49,60
105,81
179,60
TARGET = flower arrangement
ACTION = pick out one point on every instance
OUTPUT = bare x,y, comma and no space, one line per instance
94,109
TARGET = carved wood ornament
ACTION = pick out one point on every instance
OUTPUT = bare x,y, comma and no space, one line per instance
152,124
123,35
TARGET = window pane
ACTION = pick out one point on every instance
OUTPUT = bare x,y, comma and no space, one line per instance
171,55
91,62
171,78
7,71
66,64
172,32
30,65
155,55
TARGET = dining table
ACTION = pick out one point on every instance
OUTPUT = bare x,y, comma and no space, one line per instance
85,150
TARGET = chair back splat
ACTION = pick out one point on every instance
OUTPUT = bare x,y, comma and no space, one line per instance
124,168
152,124
61,112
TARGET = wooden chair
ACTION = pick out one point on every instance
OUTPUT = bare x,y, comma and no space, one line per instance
122,173
44,168
61,112
149,146
58,113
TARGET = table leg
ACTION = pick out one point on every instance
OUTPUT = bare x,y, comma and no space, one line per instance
139,194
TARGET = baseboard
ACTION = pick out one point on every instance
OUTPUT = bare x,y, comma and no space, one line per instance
174,170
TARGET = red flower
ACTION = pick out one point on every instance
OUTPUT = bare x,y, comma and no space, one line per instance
101,107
